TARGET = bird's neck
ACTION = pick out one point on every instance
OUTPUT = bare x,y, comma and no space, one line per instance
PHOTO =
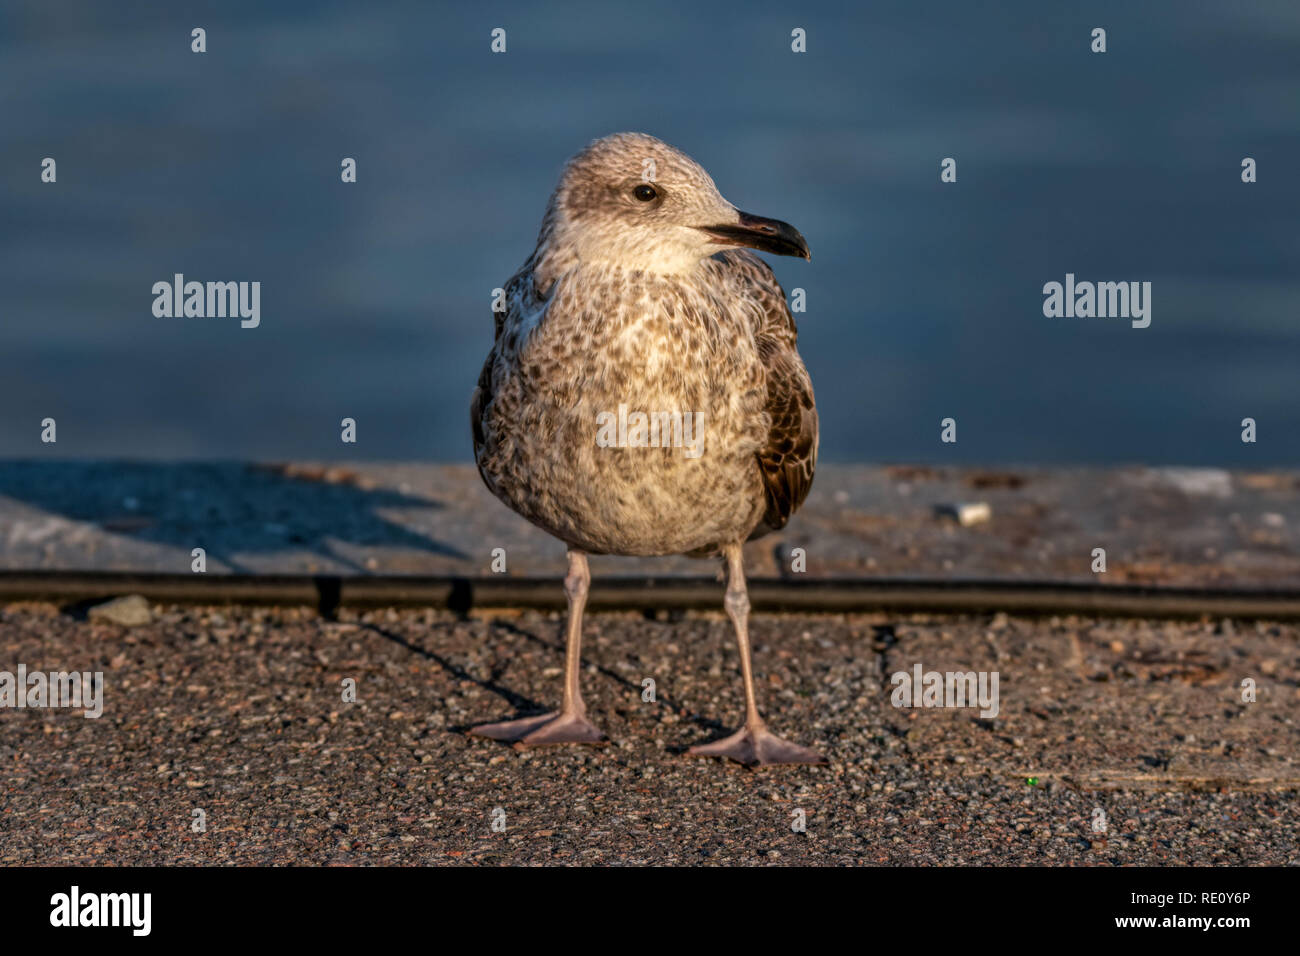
617,260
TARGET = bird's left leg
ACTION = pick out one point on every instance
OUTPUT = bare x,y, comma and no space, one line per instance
569,725
753,744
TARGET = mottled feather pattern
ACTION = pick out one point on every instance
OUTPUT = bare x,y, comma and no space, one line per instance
583,332
789,457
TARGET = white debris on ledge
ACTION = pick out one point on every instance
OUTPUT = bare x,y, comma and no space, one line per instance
966,513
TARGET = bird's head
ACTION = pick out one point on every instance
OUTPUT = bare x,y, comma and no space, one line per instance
633,201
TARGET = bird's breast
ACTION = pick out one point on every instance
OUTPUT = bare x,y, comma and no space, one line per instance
628,420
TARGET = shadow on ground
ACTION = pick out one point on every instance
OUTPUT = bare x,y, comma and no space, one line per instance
234,511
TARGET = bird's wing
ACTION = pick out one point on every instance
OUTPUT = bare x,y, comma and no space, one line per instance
519,296
477,400
788,457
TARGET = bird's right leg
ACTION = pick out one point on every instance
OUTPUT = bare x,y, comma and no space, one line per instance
753,744
568,725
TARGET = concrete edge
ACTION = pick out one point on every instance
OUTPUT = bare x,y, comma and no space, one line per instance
327,593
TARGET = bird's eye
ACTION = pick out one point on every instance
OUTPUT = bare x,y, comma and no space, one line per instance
644,193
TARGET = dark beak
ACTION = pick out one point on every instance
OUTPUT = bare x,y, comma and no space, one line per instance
765,235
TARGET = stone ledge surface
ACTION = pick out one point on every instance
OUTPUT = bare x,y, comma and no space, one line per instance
1160,526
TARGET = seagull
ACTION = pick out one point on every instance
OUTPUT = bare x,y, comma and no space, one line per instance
638,300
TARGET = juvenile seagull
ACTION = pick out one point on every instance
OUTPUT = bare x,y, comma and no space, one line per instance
629,301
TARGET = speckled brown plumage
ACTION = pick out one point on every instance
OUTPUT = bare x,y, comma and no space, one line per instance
579,337
628,302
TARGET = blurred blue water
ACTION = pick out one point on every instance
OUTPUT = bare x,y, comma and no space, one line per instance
924,299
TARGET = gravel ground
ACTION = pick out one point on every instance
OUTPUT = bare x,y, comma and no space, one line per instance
239,712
